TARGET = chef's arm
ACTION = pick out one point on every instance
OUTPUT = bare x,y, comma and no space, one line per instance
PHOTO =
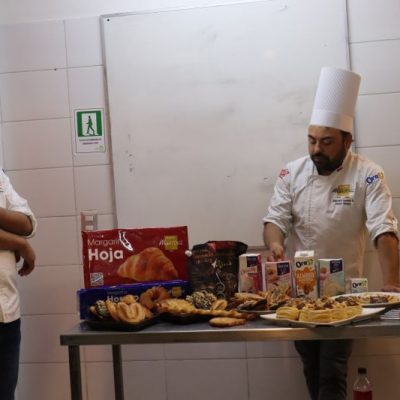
274,241
15,222
388,255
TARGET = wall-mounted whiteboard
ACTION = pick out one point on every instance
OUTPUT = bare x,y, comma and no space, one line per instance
207,105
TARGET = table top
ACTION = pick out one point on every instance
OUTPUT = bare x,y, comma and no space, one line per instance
258,330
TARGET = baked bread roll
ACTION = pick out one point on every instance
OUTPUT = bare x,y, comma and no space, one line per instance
150,264
338,313
321,316
303,315
288,313
352,311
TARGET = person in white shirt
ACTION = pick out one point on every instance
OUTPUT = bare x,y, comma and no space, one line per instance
328,202
17,224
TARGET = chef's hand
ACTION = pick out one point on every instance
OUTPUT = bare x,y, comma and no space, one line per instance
26,252
276,252
391,288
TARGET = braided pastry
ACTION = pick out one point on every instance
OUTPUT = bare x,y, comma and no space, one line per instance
131,313
112,309
128,299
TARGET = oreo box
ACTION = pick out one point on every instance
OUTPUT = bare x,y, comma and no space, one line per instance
305,274
87,297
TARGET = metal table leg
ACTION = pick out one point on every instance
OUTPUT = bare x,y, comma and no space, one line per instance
75,372
118,378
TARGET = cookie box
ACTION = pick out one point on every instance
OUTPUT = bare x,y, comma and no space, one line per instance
250,273
126,256
331,277
278,274
305,274
87,297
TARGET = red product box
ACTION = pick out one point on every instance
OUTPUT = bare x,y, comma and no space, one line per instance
125,256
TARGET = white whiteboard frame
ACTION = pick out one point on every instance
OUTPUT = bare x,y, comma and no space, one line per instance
257,101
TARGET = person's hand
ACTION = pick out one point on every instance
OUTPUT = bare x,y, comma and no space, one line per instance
27,253
276,252
391,288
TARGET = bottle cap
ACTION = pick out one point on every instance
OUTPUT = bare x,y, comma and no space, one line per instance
362,370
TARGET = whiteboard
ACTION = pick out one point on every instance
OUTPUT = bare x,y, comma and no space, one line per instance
206,106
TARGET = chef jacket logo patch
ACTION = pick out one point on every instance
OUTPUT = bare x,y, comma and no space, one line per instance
344,195
283,173
374,178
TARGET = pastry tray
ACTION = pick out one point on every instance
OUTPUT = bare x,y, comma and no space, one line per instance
184,319
108,325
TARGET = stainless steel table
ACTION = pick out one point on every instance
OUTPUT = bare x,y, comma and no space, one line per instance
163,332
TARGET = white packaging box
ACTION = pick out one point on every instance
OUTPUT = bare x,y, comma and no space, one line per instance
305,274
331,277
278,274
250,272
358,285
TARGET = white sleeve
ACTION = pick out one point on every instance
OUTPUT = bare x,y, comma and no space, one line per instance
378,206
17,203
280,209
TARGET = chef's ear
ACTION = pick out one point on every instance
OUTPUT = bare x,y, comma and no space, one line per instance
347,138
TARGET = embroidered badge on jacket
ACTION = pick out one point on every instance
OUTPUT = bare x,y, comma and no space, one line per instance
344,195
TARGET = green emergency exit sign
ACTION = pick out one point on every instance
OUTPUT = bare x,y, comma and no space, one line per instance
89,129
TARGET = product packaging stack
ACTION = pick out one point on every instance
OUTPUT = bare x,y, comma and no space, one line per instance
128,262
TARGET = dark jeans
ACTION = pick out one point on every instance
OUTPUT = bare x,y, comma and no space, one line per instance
325,367
10,339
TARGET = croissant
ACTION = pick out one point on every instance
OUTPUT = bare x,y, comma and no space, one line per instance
151,264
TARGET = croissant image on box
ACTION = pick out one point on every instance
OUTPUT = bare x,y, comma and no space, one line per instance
151,264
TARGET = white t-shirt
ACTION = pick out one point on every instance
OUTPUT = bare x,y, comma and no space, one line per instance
9,298
332,214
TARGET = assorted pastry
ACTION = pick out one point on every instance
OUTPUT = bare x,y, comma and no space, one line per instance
262,301
157,300
127,310
371,298
191,306
321,310
235,311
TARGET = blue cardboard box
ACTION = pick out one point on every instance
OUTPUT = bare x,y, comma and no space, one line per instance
87,297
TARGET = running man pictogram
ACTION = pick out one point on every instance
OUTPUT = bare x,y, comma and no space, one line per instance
89,124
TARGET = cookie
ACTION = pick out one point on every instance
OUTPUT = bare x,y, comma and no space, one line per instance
222,322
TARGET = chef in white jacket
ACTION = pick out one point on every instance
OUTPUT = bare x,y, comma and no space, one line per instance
329,201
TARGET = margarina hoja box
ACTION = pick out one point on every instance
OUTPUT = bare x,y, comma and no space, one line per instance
305,274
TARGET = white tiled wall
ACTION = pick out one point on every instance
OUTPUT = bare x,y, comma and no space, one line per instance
375,54
49,69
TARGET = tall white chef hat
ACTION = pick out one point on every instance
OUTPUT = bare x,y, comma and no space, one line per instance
335,99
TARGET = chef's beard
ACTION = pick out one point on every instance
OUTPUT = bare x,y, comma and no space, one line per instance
326,165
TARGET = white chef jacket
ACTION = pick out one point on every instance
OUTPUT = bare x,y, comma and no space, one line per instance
332,214
9,298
